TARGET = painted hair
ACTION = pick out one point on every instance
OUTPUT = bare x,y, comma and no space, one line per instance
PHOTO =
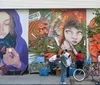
69,24
12,25
72,23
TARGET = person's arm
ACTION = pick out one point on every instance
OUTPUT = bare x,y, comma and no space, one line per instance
63,61
64,64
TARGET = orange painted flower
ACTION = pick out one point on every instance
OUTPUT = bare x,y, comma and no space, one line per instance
94,42
92,23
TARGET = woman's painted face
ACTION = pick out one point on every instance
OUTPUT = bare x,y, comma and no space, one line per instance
4,24
73,35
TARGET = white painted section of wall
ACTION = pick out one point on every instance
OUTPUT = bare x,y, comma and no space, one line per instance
24,14
89,17
49,4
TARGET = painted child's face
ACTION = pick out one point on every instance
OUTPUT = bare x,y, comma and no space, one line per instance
73,35
4,24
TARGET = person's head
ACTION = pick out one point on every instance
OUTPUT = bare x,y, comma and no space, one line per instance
79,51
73,32
66,50
6,24
62,52
58,55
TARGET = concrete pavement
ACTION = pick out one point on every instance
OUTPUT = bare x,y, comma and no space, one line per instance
30,79
37,79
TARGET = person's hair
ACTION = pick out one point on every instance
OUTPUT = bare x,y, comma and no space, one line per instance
62,51
58,56
79,51
72,23
66,50
12,24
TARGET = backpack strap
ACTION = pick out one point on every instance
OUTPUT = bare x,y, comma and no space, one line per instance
68,56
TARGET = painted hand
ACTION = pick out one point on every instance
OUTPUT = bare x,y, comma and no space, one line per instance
71,45
73,48
12,58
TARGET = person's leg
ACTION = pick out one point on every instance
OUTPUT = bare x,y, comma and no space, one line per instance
51,68
63,75
77,64
81,64
54,69
68,71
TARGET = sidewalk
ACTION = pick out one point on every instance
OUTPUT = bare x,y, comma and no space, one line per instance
84,82
37,79
30,79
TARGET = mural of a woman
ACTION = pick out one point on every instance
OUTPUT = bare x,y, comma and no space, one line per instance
72,33
10,37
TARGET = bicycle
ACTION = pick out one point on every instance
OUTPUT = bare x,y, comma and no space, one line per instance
88,70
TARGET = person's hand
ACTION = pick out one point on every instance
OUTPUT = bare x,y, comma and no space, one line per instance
12,58
70,45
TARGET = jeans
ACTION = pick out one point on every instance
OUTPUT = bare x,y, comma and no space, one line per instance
68,71
52,65
79,64
63,75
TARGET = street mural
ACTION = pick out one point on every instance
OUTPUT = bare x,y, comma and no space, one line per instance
51,31
47,32
13,48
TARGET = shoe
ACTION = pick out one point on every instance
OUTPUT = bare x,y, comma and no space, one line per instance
64,83
97,83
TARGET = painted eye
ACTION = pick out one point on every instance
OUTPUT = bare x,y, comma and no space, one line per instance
7,22
68,31
79,32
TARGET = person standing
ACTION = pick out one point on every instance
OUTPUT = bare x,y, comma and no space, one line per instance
52,64
68,60
79,60
63,67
